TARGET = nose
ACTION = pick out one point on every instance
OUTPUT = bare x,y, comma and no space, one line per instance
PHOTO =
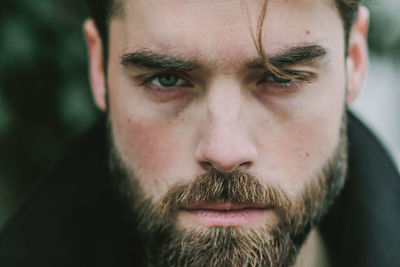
225,144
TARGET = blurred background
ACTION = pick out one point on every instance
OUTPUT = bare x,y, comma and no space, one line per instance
45,99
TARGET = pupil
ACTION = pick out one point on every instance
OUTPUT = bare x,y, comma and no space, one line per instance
168,80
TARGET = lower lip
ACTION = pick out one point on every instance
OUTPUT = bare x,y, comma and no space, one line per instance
240,217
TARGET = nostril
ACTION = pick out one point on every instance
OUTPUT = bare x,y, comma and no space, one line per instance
245,165
206,165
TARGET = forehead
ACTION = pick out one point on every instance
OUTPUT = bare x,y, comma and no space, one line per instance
224,27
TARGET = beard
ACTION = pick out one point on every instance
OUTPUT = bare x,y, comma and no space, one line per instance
166,244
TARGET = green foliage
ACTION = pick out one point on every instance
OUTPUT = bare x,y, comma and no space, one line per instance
44,91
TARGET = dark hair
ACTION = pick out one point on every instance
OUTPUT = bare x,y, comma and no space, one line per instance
103,10
348,11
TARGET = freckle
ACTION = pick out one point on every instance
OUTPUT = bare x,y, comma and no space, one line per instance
307,154
307,31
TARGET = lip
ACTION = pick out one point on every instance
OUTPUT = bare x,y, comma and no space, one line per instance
225,214
222,206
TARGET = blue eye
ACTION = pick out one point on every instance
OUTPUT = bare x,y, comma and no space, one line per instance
167,80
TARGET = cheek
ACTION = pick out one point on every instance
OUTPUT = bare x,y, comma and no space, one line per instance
148,146
314,141
298,147
144,141
298,153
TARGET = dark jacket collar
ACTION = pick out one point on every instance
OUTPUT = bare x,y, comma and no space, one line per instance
72,218
363,227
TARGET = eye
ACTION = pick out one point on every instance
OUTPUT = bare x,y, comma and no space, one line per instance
292,80
272,78
166,85
167,80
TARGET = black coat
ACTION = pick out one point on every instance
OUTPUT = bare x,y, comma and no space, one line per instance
73,219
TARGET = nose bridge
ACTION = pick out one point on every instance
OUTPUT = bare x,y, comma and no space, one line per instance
224,103
224,115
225,143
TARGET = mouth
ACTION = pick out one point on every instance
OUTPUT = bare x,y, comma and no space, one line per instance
225,214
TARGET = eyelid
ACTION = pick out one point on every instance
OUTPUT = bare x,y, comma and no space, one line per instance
161,93
299,76
152,76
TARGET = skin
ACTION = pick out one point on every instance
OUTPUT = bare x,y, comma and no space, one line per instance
221,116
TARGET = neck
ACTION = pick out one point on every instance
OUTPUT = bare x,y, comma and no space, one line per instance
313,253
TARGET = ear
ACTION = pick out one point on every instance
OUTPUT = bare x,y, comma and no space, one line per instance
96,67
357,59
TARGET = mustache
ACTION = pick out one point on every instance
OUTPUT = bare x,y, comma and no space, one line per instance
235,187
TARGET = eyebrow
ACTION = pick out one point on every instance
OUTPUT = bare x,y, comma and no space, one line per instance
302,54
145,59
150,60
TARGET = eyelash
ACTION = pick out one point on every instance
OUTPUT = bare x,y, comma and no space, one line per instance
298,79
148,82
295,80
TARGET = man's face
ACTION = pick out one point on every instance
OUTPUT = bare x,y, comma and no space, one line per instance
189,95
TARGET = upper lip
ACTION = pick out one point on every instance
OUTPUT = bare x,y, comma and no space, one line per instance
223,206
